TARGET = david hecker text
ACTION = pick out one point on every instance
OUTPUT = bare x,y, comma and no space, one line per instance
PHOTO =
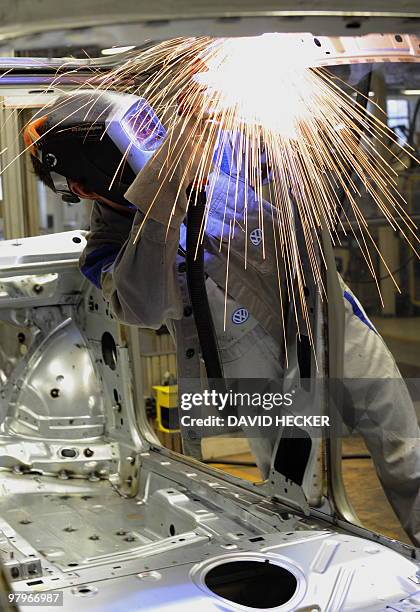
288,420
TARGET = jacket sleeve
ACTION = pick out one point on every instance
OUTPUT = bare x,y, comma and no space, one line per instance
142,284
108,232
139,280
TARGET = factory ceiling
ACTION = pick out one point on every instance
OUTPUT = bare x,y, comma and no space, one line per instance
48,23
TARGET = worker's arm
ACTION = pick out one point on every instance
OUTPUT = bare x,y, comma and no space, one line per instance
139,280
109,230
143,285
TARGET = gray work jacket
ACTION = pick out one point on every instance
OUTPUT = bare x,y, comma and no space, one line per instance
146,286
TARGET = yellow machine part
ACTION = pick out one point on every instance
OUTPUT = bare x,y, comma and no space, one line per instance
166,408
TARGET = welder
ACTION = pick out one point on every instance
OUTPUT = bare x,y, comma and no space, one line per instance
79,149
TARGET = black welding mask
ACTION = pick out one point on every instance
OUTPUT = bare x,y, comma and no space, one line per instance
100,139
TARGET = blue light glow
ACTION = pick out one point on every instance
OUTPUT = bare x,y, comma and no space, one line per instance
143,127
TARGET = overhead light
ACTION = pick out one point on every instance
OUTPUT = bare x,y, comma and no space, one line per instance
115,50
411,92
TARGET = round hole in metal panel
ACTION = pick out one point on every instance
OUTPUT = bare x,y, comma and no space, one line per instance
85,590
250,583
69,453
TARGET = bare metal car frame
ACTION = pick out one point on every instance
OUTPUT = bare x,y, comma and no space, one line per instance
91,505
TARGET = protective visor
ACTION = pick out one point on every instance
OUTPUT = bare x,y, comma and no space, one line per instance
136,130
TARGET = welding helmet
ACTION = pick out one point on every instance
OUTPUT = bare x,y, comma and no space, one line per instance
100,139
